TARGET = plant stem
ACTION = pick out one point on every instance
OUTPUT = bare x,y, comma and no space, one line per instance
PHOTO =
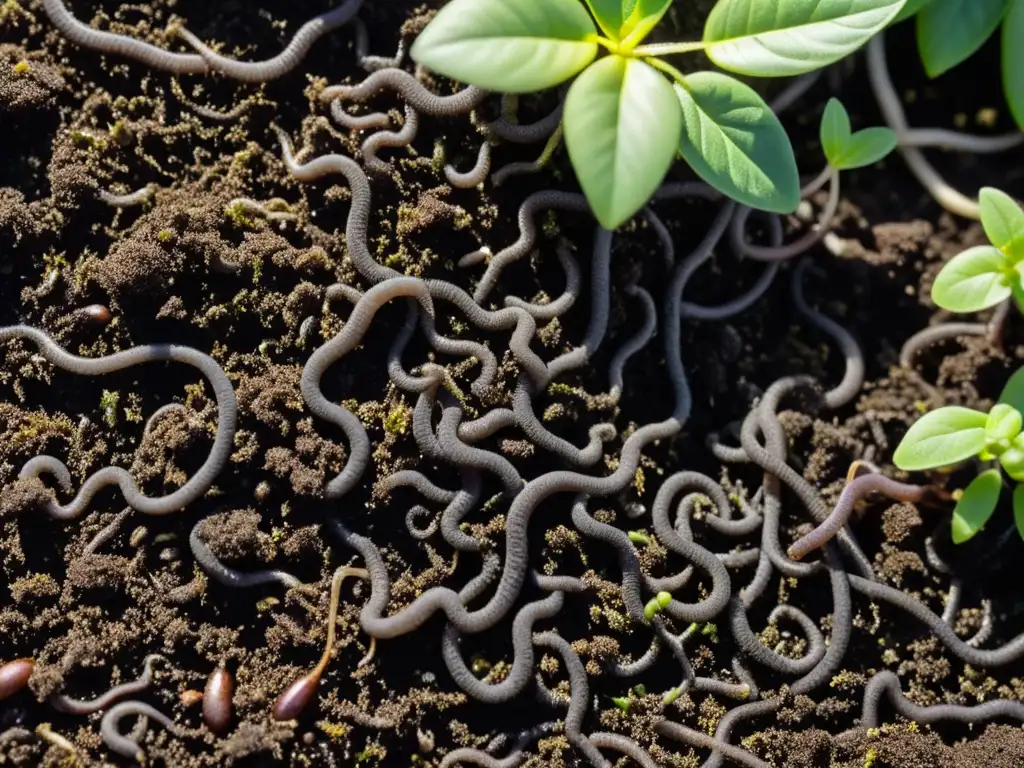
667,49
668,69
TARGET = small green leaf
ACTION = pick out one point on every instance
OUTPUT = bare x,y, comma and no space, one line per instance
609,15
1012,460
1013,71
1003,425
911,8
973,280
866,147
622,125
643,18
735,143
835,130
976,505
790,37
1013,392
949,31
1018,509
1003,220
941,438
528,45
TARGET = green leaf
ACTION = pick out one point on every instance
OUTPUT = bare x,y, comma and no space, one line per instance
941,438
949,31
866,147
609,14
622,125
1013,70
514,47
790,37
1003,220
1012,460
1013,392
973,280
644,17
976,505
1018,509
735,143
835,130
911,8
1003,425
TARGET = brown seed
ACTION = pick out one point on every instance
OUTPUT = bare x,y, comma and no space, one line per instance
295,697
14,676
217,700
97,313
190,697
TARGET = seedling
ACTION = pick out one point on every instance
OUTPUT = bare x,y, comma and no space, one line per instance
846,150
986,275
950,31
950,435
630,113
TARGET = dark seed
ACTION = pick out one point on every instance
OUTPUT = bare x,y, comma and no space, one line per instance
14,676
217,700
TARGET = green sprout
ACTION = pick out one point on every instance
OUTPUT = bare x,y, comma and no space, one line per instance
656,605
639,537
950,31
986,275
624,121
953,434
845,149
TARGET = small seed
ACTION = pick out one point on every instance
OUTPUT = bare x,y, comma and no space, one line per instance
217,700
14,676
295,697
97,313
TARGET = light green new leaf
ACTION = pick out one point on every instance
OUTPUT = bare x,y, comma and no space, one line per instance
949,31
973,280
835,130
1012,459
1003,425
1003,220
622,124
911,8
1013,70
734,141
609,16
941,438
790,37
866,147
1018,509
634,19
512,47
976,505
1013,392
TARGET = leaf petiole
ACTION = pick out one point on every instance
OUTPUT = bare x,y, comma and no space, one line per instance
667,49
668,69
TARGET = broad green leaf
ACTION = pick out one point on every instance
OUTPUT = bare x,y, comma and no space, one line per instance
949,31
790,37
940,438
1013,69
1003,425
622,125
911,8
513,47
835,130
644,17
976,505
866,147
1018,509
734,141
1003,220
1013,392
973,280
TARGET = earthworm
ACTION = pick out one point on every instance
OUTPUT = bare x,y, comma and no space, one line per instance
418,482
254,206
634,343
486,758
892,111
926,337
842,625
547,440
888,684
531,133
194,488
668,248
479,429
121,45
701,740
509,170
412,92
563,303
464,503
534,204
296,696
363,57
987,625
579,696
138,197
994,657
106,533
381,139
287,60
229,576
210,113
789,95
64,703
853,373
958,141
729,721
522,669
854,491
476,175
367,122
752,646
620,743
421,534
464,455
123,745
796,248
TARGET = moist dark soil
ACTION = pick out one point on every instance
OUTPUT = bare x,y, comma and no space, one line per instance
183,269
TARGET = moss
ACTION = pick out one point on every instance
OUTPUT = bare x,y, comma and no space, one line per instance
870,757
108,402
86,140
238,216
397,419
37,424
333,730
165,236
22,68
120,133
